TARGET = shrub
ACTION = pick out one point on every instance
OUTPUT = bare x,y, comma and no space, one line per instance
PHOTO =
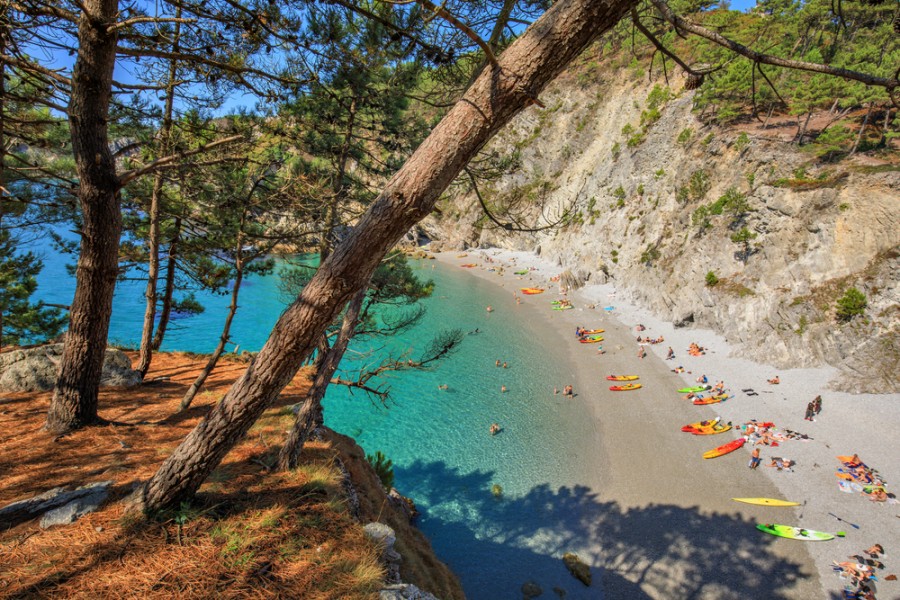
851,304
743,236
659,173
635,140
619,193
685,136
711,279
616,150
384,468
742,141
628,129
699,184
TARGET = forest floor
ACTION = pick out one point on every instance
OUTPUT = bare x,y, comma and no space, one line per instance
250,532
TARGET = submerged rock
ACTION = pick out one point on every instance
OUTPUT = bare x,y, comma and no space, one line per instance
577,568
531,589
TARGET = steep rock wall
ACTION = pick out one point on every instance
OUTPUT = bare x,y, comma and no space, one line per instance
819,228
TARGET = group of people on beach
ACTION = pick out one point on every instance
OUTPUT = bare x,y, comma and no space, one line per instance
813,408
861,572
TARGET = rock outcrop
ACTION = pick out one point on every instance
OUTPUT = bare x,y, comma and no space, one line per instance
34,369
58,506
654,207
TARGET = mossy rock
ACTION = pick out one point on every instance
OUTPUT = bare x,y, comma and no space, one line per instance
577,568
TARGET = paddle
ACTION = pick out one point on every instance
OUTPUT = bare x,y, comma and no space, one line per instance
853,525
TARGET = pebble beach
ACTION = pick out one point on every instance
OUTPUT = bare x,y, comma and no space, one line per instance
669,527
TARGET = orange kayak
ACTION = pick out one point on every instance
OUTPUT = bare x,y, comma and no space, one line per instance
725,448
469,265
625,388
532,291
710,400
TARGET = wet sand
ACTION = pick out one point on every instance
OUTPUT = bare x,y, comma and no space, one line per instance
661,522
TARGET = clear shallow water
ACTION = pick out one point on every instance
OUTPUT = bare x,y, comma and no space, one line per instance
444,457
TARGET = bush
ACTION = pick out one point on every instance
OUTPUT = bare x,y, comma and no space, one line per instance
711,279
699,184
742,141
384,468
685,136
851,304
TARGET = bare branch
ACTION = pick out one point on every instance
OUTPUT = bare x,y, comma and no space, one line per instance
442,12
136,20
165,161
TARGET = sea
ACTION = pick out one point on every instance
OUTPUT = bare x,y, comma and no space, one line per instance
498,509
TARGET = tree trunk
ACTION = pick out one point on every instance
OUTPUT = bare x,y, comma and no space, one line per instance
500,93
4,29
769,115
155,198
74,402
223,339
862,130
166,308
802,132
310,413
887,124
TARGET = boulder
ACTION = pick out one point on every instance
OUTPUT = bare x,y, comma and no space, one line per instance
74,510
34,369
530,589
23,510
577,568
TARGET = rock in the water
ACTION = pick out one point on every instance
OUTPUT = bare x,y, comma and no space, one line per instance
577,567
18,512
530,589
34,369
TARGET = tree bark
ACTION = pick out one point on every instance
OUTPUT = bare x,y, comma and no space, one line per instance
74,402
166,308
501,92
310,414
155,198
862,130
226,329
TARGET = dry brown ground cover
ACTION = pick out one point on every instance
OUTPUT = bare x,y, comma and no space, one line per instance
249,533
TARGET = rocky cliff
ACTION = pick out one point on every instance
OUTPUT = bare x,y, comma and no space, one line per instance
735,229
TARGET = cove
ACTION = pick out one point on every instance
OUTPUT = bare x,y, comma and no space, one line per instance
444,457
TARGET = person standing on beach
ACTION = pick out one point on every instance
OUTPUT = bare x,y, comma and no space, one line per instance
671,354
817,405
810,411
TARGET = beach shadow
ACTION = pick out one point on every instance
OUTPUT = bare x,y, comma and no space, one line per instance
495,544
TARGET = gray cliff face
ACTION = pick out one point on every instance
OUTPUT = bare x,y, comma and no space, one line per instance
819,229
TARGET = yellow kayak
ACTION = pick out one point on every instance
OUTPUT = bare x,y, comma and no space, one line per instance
622,377
712,429
766,501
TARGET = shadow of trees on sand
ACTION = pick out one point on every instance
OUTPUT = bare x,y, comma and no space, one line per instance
654,551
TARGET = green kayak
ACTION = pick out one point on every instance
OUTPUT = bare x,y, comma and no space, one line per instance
689,390
798,533
523,272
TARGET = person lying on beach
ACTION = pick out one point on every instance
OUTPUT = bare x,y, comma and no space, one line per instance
719,387
875,551
781,463
702,379
774,381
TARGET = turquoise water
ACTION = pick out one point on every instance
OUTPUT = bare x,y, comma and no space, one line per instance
444,457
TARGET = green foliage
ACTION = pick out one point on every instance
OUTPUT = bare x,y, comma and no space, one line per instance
743,236
384,468
650,255
711,279
22,321
659,174
832,142
685,136
635,140
616,150
851,304
640,189
615,256
658,96
801,329
698,184
708,139
628,129
619,193
742,141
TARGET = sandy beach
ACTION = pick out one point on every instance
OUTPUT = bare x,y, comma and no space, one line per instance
662,523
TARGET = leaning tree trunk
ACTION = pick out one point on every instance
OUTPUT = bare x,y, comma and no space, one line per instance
500,93
166,308
309,415
226,329
74,402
